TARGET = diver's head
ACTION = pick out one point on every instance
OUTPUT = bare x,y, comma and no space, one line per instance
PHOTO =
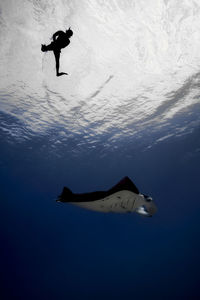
69,32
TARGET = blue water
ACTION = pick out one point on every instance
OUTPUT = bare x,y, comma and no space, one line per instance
57,251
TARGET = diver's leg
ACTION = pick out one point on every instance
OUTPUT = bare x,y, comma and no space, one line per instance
57,58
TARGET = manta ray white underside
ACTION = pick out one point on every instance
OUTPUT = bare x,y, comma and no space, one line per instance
121,202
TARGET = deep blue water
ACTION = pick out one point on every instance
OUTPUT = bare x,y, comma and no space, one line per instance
58,251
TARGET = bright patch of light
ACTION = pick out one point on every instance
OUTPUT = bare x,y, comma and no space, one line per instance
132,65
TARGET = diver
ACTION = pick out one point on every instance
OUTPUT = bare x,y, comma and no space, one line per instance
60,41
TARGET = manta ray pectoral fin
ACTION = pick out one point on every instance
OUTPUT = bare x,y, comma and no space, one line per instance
66,195
124,184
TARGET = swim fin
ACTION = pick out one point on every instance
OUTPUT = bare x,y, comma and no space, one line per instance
44,48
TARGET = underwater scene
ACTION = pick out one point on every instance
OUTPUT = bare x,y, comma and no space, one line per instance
99,149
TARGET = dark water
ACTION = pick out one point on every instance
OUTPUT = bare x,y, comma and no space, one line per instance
57,251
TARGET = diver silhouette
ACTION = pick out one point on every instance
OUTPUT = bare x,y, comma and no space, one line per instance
60,41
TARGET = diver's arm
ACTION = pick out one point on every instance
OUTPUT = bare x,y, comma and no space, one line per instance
56,34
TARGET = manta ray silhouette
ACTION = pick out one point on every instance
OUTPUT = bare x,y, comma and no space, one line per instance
122,198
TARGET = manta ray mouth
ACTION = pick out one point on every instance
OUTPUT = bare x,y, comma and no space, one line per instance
142,211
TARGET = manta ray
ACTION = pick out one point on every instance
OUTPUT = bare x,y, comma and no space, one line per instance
124,197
